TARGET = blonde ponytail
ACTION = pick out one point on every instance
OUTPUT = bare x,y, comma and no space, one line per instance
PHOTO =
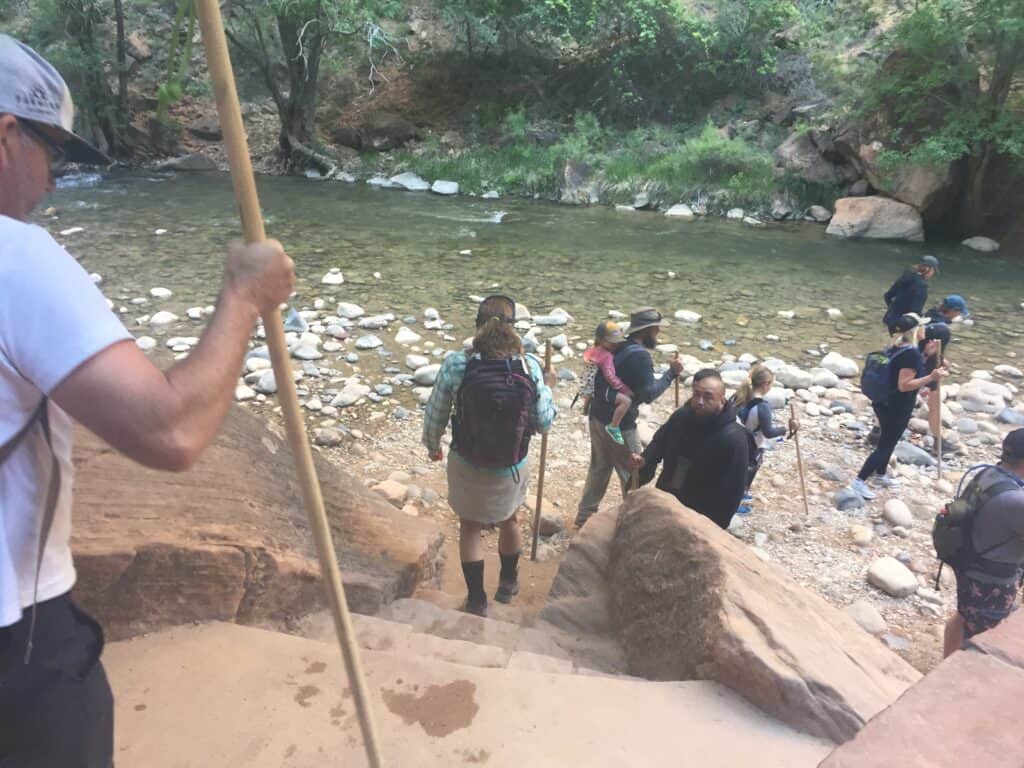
759,376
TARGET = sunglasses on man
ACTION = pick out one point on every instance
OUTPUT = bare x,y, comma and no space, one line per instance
53,148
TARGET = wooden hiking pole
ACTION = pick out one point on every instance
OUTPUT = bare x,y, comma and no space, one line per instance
230,113
799,460
938,396
540,474
677,385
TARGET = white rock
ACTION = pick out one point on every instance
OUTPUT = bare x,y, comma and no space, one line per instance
71,231
266,384
444,187
350,395
776,398
427,375
407,336
794,378
982,244
867,616
833,313
898,513
734,378
734,213
410,182
822,377
491,195
160,293
368,342
244,392
163,318
750,221
786,314
687,316
840,366
680,211
194,313
1009,370
145,343
374,322
414,362
350,311
892,577
333,277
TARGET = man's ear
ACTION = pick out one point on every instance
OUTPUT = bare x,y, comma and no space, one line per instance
8,126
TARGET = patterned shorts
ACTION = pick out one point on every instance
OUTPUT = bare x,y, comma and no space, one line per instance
984,604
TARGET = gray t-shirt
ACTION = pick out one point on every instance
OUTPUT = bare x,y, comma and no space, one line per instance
999,520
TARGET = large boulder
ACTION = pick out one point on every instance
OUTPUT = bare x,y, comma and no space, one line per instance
689,601
876,218
376,131
229,539
801,155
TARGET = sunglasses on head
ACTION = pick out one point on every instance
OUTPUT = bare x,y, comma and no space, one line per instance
53,148
483,315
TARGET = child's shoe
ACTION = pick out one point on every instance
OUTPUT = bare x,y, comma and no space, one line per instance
615,433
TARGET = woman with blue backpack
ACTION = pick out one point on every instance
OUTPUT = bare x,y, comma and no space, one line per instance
496,398
891,380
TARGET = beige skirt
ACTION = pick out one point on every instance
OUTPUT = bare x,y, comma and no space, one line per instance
483,495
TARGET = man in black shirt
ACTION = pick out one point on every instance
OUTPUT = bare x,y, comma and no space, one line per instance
705,450
634,366
910,292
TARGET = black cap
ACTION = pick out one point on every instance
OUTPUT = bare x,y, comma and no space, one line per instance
931,261
1013,446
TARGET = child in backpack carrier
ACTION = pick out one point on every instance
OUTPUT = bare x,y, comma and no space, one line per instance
601,357
756,415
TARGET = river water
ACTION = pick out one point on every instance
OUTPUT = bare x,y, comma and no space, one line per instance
434,251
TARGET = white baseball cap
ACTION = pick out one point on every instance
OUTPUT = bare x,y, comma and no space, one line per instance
31,89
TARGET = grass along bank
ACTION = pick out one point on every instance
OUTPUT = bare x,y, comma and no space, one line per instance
713,169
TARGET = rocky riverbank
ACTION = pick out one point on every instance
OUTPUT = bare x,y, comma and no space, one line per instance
361,379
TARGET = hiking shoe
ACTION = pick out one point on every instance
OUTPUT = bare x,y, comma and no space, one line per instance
506,591
476,607
859,487
744,509
747,497
615,433
884,481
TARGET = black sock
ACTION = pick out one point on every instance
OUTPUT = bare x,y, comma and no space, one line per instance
474,575
509,567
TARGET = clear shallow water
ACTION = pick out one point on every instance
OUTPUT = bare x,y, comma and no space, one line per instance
587,260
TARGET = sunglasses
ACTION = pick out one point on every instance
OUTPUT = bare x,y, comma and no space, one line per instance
53,148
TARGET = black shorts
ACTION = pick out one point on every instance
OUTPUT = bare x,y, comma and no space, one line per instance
983,604
57,710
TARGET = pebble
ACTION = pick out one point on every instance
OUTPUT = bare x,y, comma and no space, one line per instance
145,343
328,437
892,577
862,535
160,293
163,318
244,392
426,375
407,336
333,277
368,342
867,616
350,395
898,513
350,311
687,316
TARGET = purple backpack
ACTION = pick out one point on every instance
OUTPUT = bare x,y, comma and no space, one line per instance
493,419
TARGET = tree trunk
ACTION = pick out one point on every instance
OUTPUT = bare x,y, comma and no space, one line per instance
303,45
122,76
974,215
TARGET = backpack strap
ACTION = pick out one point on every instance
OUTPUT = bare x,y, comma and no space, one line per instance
40,416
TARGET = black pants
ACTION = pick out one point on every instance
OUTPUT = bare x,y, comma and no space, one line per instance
892,421
57,711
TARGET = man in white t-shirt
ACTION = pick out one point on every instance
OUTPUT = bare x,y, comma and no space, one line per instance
64,356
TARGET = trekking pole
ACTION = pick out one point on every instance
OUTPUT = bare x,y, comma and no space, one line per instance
938,396
540,474
677,385
230,113
799,460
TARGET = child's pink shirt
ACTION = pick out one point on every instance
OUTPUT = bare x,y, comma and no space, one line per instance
605,361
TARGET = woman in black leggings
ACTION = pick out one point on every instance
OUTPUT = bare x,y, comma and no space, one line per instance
894,414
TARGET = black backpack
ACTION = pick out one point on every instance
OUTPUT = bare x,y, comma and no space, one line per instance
953,530
493,419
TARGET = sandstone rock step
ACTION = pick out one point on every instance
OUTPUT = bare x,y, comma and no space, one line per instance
271,700
384,635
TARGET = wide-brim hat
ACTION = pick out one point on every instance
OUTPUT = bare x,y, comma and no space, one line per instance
645,317
31,89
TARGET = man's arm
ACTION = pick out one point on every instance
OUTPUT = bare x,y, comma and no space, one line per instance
654,453
649,388
733,482
165,419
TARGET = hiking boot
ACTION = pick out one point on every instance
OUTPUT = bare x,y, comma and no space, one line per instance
859,487
884,481
476,607
506,591
615,433
744,509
